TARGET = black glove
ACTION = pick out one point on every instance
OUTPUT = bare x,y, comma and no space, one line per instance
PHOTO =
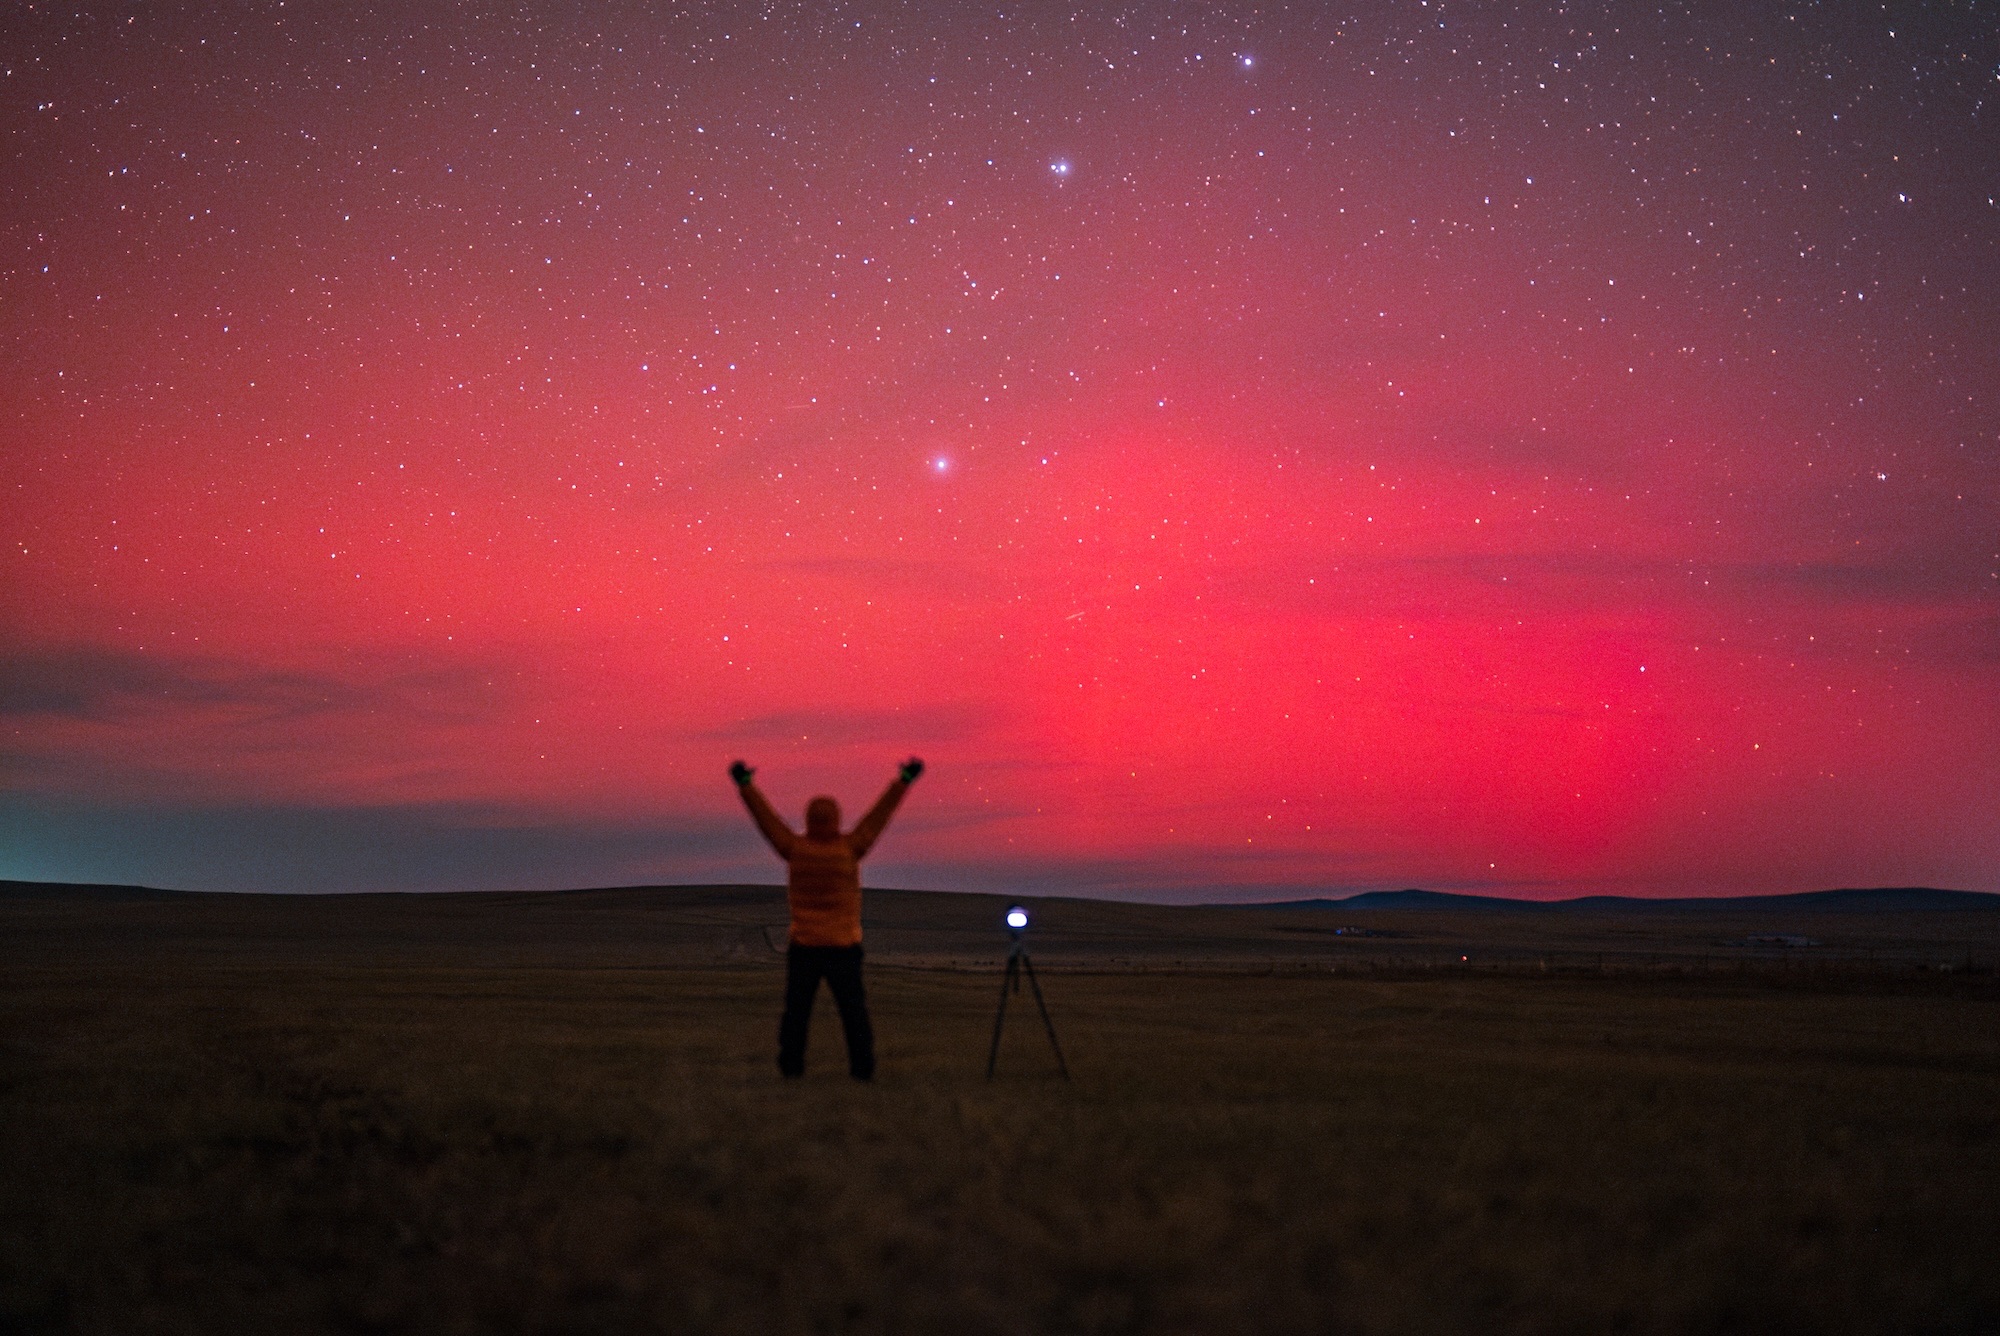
740,773
911,769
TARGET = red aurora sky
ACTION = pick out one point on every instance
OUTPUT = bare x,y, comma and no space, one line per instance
1248,451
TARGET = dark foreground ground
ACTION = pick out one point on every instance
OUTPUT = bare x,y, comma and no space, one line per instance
559,1114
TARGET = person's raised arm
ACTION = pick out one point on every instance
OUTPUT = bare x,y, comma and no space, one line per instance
870,829
768,821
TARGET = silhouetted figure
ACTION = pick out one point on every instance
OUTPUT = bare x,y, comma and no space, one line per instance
823,889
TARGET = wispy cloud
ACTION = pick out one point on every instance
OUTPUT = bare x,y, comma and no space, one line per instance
1566,583
97,684
951,721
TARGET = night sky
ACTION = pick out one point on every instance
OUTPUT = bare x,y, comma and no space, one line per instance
1248,452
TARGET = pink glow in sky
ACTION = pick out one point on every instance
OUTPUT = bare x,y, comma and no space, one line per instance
1246,452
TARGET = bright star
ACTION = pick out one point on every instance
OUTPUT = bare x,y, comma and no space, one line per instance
1060,166
941,464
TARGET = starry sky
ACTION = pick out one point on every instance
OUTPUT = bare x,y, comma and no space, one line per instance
1248,451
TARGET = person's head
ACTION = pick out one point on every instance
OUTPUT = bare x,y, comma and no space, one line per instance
822,819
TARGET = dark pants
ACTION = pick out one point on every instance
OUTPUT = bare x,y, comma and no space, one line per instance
841,967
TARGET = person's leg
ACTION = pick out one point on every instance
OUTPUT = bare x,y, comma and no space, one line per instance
802,971
843,978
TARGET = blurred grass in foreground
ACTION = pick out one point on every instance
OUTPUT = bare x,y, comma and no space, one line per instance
323,1148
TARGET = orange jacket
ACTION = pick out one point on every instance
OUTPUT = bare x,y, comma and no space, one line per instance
823,877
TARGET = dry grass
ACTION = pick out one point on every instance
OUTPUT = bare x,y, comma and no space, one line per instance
330,1147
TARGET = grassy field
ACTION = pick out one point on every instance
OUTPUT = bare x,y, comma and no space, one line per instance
205,1130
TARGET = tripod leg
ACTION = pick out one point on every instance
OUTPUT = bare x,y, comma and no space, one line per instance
1010,977
1047,1024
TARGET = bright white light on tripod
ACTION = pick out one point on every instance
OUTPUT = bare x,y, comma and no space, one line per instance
1017,918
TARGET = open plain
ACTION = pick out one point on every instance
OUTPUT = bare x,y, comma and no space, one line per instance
559,1112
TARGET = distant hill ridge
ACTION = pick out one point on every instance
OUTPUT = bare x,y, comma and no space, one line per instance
82,889
1880,900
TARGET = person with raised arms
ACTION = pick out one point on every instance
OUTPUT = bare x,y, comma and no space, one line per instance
823,893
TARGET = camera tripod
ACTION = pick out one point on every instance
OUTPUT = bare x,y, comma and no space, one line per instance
1017,965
